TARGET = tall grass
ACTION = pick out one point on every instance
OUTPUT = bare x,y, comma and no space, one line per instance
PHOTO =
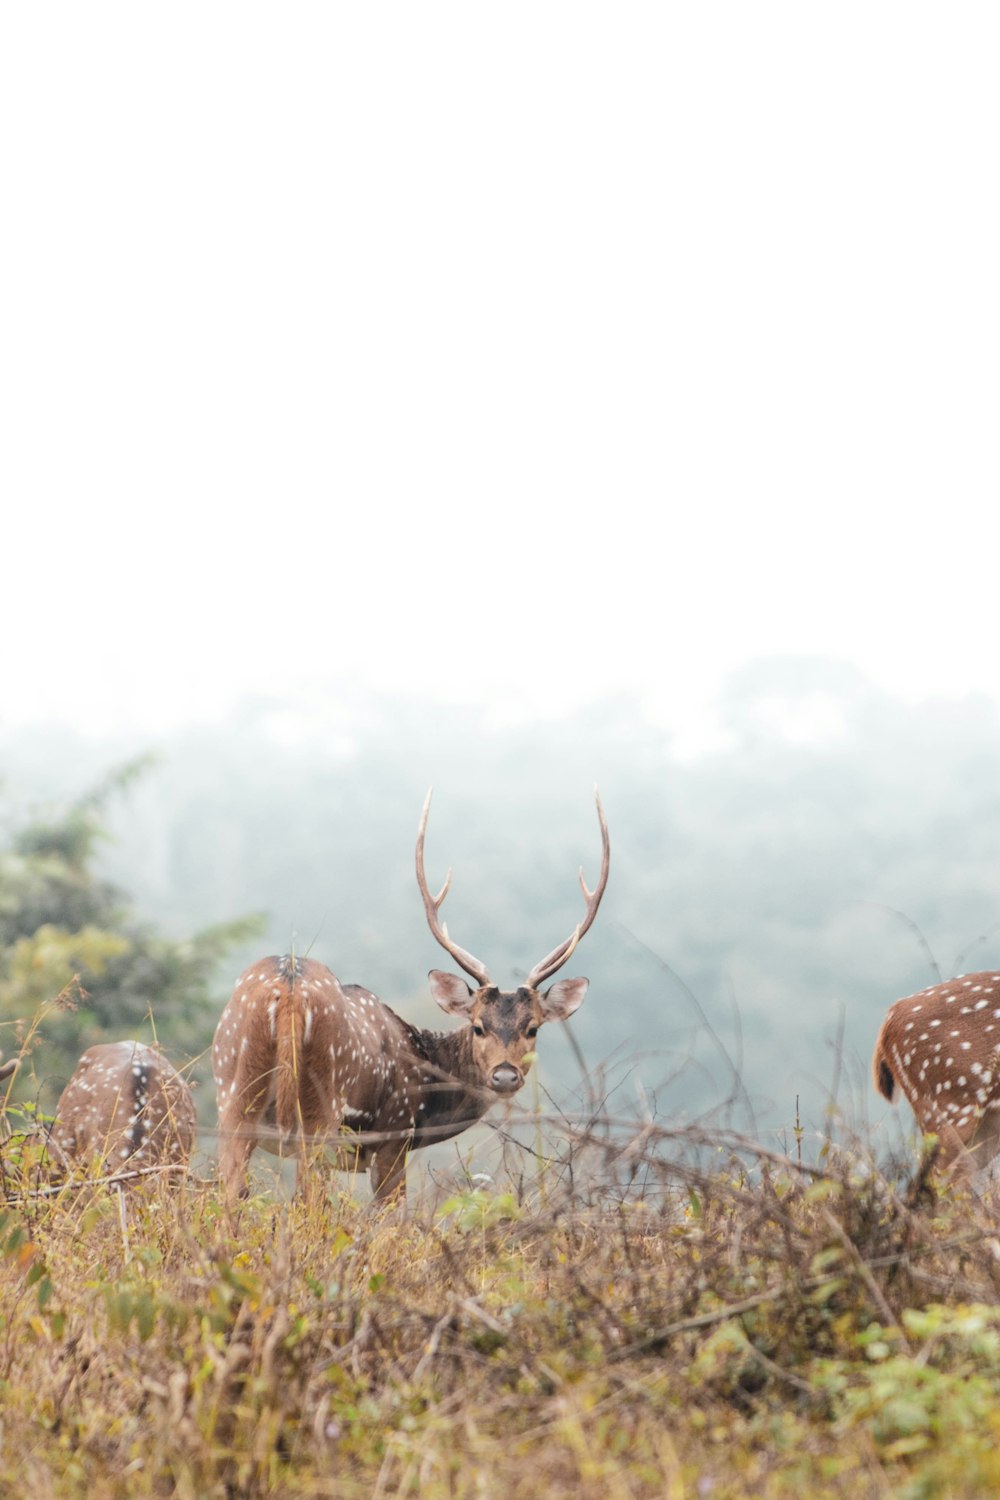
624,1310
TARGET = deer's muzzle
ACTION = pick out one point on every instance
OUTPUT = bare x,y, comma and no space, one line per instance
506,1079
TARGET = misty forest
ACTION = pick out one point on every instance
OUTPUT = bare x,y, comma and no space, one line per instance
768,898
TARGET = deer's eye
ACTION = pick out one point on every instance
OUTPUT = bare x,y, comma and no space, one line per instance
477,1029
532,1031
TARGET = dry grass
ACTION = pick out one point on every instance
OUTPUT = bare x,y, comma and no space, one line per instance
752,1328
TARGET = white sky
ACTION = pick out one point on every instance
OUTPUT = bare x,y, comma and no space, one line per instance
516,353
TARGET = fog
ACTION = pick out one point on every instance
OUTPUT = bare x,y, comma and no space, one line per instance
513,401
766,901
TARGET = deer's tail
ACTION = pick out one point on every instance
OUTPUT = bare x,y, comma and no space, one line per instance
885,1078
288,1061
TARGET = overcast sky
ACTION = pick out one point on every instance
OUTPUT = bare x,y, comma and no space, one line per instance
513,354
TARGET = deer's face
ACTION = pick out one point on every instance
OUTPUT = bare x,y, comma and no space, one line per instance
505,1022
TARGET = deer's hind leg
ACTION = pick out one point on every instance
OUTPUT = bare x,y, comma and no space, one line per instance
242,1103
320,1113
975,1146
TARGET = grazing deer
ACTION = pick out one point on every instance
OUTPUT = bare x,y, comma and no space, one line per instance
298,1056
942,1048
128,1105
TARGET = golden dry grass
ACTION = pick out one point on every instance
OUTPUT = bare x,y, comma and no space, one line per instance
758,1330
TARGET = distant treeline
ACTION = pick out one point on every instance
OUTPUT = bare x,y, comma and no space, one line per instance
768,898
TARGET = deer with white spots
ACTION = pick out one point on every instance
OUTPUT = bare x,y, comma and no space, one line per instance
299,1058
127,1105
941,1048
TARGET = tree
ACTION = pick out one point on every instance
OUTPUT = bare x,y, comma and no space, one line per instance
77,965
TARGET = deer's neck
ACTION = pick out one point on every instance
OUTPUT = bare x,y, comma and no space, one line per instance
453,1096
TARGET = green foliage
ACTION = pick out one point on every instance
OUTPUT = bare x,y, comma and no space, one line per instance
927,1391
22,1259
77,966
477,1210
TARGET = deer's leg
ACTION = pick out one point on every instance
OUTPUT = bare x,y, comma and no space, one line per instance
387,1172
966,1150
318,1125
236,1144
309,1165
238,1122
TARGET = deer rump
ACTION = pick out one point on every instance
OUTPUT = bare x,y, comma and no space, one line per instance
310,1059
940,1049
126,1104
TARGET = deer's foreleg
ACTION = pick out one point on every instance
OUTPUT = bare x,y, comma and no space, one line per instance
387,1171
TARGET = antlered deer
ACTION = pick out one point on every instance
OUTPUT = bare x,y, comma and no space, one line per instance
298,1056
126,1104
942,1048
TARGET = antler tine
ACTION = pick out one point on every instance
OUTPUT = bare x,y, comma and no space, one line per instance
558,956
432,905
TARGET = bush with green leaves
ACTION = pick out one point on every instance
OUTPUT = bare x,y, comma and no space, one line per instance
77,964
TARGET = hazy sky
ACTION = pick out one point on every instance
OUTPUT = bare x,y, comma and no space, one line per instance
515,353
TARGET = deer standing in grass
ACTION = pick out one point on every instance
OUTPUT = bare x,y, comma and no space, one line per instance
298,1056
127,1105
941,1048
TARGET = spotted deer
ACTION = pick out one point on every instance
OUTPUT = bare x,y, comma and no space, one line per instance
126,1105
301,1060
941,1048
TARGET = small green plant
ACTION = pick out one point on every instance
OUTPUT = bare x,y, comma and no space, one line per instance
478,1209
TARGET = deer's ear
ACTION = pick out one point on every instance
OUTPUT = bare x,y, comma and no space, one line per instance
563,998
451,993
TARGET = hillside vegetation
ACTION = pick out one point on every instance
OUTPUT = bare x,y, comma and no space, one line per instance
744,1325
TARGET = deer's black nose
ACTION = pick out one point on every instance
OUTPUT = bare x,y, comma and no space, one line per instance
506,1078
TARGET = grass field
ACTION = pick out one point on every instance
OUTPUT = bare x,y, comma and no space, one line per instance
742,1325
